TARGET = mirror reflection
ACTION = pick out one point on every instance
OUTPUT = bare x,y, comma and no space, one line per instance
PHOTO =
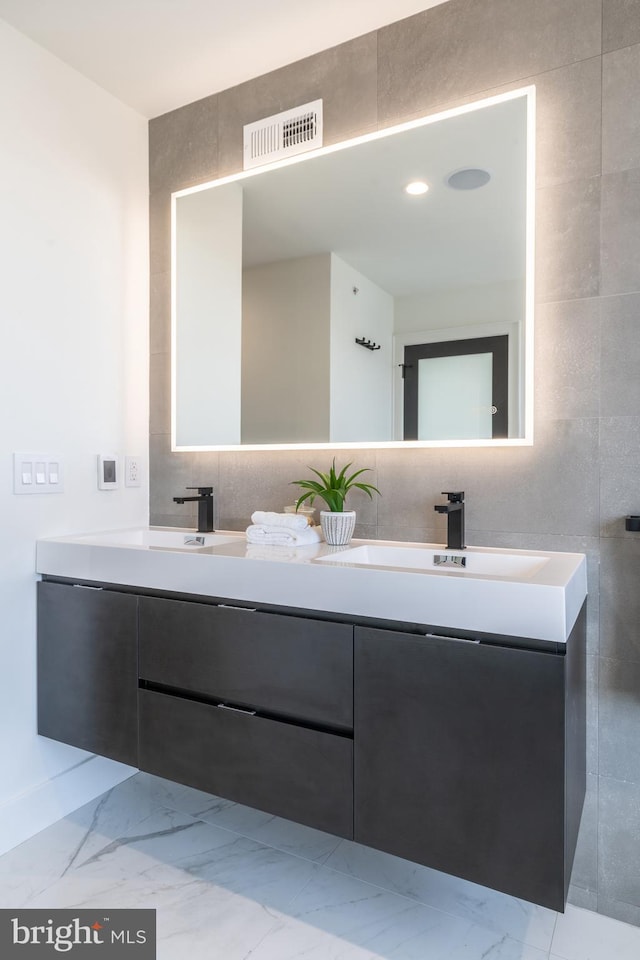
369,294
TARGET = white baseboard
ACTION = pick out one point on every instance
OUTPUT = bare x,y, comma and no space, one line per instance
29,813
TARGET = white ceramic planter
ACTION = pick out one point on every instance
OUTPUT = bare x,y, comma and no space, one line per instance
337,528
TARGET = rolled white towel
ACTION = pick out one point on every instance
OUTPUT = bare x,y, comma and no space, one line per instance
281,536
290,521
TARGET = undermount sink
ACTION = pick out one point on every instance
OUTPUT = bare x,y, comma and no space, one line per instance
440,560
158,539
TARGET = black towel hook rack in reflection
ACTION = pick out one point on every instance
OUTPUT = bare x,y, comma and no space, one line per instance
369,344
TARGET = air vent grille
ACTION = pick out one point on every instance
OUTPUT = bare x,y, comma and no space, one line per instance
283,135
300,130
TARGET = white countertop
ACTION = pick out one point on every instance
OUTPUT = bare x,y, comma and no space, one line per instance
543,602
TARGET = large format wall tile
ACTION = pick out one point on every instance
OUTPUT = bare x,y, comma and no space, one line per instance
621,232
183,146
568,111
547,488
620,23
619,472
160,232
593,702
172,473
619,910
463,46
160,313
568,240
620,356
159,393
344,77
619,843
621,123
567,359
579,897
619,720
620,598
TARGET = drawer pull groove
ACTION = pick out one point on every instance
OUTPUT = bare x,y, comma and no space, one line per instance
439,636
233,606
225,706
189,695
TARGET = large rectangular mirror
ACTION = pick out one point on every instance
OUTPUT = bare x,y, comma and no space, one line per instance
316,302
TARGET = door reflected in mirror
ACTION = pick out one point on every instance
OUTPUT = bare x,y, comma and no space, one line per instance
457,389
319,303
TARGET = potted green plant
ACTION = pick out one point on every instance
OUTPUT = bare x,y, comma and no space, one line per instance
332,487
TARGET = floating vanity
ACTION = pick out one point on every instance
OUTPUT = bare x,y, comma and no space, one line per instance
375,691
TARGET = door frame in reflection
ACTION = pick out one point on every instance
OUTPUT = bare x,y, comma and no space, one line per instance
497,346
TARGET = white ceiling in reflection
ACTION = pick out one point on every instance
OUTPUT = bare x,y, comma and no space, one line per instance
352,203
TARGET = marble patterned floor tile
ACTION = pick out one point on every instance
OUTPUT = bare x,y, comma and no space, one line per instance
519,919
195,918
53,851
172,843
582,935
294,838
221,894
336,917
202,930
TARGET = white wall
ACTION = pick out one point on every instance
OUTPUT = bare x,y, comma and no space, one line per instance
361,379
73,371
285,351
208,339
461,306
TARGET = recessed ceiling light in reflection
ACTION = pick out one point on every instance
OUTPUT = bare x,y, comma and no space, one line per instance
417,188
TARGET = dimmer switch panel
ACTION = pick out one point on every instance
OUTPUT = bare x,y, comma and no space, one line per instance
37,473
108,471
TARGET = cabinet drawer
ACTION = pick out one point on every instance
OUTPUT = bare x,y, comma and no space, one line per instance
294,772
290,666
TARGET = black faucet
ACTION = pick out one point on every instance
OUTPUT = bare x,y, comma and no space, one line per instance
205,507
455,518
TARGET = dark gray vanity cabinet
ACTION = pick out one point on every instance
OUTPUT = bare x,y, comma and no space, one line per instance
87,669
466,755
252,706
470,757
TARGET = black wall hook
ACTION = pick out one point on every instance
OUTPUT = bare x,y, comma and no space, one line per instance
369,344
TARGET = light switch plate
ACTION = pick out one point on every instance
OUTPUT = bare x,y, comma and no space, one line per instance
37,473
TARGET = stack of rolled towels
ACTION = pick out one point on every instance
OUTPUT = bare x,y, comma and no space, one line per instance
281,529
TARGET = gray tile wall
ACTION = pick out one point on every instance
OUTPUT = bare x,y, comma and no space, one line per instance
572,489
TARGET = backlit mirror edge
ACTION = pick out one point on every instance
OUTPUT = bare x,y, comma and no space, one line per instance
529,93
